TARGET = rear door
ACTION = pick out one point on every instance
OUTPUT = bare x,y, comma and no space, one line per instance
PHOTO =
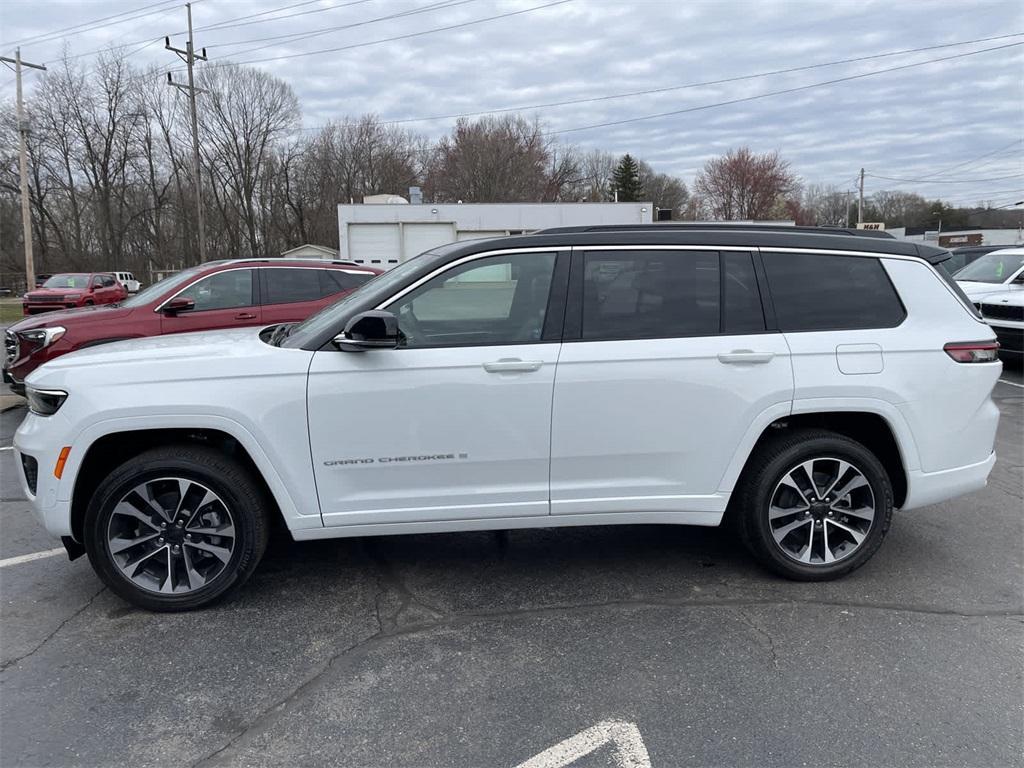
225,299
289,294
668,370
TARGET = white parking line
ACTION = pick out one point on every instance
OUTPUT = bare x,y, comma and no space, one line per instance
1012,383
30,557
630,751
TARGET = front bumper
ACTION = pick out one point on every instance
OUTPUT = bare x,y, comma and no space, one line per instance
42,438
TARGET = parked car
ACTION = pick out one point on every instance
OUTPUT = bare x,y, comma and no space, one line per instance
220,294
72,290
995,272
653,374
1005,313
967,254
127,279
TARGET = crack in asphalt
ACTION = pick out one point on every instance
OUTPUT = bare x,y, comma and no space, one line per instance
763,633
265,719
11,662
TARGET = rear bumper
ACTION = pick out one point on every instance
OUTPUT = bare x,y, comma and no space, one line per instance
924,488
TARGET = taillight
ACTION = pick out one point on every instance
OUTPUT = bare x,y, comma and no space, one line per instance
973,351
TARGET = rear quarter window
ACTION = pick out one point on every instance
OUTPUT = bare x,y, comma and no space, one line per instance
823,292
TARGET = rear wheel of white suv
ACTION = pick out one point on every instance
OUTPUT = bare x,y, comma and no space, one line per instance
813,505
176,528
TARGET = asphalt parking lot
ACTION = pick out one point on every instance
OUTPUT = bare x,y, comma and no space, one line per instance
488,649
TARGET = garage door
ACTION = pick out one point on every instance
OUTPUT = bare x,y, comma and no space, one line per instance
423,237
376,245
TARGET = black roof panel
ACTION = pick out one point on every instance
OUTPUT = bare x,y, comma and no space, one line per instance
765,237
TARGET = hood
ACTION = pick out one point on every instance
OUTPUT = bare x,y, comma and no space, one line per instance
160,368
163,350
975,290
69,317
56,291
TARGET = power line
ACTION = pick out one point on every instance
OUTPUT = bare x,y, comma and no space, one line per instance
296,36
399,37
946,181
781,92
946,171
668,89
107,21
218,27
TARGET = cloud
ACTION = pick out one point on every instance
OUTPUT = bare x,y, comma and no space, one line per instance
912,123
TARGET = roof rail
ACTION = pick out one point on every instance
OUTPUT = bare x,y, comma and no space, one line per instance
723,225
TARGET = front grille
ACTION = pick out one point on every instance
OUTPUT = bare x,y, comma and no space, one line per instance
1003,312
10,346
45,299
31,468
1010,339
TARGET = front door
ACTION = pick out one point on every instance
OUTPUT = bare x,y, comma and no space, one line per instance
455,423
225,299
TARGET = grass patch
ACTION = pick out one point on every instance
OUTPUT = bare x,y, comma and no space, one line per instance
10,311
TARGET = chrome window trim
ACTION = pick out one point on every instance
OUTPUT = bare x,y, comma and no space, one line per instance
464,260
355,270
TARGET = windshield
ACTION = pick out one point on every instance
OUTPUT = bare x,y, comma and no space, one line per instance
997,267
329,317
67,281
156,290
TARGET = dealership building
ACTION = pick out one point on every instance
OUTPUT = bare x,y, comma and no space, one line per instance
386,230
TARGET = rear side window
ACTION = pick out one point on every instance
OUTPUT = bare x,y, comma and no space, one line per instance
820,292
336,280
283,286
741,304
650,294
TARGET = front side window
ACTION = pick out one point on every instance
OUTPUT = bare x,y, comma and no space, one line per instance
650,294
992,268
108,281
496,300
223,290
285,286
821,292
97,282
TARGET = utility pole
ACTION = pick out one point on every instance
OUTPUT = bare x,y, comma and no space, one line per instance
860,199
189,56
26,207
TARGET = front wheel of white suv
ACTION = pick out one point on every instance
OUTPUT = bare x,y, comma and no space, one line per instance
813,505
176,528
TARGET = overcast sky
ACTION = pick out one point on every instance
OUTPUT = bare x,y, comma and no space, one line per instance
921,122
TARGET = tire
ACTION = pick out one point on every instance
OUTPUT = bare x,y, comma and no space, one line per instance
165,559
800,553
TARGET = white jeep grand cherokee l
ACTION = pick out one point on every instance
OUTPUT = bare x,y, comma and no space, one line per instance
802,383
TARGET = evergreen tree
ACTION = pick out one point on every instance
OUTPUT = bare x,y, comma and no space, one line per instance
626,180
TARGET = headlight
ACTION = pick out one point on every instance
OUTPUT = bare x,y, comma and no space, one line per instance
43,337
73,297
45,402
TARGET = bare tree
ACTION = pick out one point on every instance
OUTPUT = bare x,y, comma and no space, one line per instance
743,185
494,159
666,192
245,112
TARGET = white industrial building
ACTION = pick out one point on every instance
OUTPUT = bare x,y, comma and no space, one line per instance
385,235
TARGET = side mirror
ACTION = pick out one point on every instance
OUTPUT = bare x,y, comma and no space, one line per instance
178,304
375,329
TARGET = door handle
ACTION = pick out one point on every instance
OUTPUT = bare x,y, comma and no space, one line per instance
745,356
245,316
513,365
